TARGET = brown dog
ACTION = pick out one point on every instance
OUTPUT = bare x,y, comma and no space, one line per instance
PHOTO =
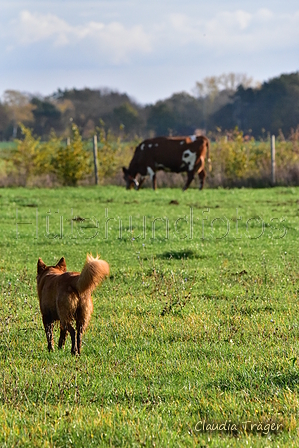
66,296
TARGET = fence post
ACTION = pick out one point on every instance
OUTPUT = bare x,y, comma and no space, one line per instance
95,157
68,141
273,160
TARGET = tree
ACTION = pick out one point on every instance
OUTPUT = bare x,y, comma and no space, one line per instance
216,92
46,116
4,121
161,119
89,106
19,108
181,114
274,106
212,85
126,115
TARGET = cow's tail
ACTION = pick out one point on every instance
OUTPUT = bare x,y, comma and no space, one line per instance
208,154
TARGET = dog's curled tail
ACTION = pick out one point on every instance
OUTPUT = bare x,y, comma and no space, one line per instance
93,273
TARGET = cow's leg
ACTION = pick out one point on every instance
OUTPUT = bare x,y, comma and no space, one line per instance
201,175
152,175
154,182
201,172
142,179
190,177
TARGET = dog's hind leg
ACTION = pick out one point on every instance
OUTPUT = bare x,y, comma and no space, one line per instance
79,337
48,324
63,334
72,332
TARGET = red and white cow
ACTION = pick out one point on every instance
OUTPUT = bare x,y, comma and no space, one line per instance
174,154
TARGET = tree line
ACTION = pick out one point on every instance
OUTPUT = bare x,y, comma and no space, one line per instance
216,103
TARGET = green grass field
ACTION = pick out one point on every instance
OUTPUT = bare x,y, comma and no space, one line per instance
194,337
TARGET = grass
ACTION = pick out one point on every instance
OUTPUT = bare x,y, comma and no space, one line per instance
197,325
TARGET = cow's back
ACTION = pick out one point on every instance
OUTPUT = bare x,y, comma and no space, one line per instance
167,153
161,149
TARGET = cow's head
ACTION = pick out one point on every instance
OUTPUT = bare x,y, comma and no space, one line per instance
130,180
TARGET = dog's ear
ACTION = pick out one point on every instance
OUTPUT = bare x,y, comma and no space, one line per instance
61,264
40,266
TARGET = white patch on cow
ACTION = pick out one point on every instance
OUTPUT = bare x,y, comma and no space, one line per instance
156,144
192,138
189,158
182,142
150,145
142,147
151,172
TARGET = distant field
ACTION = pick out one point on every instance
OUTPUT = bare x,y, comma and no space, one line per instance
5,148
197,325
7,145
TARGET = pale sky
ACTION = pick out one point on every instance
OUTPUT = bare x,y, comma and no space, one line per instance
148,49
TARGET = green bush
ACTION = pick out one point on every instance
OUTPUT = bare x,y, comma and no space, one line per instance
24,157
68,163
72,162
241,160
